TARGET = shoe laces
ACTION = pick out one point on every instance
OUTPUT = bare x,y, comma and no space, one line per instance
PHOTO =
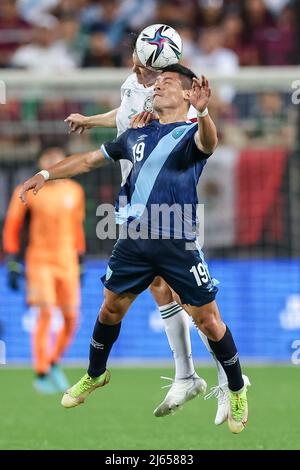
237,404
83,385
167,378
220,393
176,383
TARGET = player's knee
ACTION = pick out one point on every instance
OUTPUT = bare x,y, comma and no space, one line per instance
70,324
110,314
208,324
44,313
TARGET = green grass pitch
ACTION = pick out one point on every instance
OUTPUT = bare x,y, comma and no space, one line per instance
119,416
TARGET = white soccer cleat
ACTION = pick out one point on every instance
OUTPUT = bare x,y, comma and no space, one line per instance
222,395
181,391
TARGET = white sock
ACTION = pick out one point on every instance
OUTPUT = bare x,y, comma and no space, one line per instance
222,377
176,324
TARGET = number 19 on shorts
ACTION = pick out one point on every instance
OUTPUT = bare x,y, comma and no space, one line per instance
200,273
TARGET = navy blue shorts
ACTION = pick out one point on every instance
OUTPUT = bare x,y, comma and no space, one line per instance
135,263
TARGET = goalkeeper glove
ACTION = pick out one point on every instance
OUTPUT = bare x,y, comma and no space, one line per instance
14,272
81,268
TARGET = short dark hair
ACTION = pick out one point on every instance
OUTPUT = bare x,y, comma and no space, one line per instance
186,75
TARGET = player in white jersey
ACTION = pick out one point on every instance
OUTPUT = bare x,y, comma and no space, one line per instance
136,98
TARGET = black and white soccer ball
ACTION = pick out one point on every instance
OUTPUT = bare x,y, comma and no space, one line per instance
158,46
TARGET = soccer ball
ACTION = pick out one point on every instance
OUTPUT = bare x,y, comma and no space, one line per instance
158,46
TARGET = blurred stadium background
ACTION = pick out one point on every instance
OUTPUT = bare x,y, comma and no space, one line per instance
63,56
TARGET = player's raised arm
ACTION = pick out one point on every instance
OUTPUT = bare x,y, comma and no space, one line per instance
206,137
79,123
70,166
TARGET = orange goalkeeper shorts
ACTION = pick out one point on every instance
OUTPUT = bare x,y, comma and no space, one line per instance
51,284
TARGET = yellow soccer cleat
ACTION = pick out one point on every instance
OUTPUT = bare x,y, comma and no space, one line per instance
77,394
238,408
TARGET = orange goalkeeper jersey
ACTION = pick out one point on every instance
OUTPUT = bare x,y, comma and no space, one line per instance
56,223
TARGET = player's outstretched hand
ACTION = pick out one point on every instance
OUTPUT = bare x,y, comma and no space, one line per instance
35,184
201,93
142,119
77,123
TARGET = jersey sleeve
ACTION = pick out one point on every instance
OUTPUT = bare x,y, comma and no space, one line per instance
13,224
127,85
192,152
79,215
116,149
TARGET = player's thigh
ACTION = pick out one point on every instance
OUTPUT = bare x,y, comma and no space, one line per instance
161,291
40,284
115,306
68,289
128,271
183,267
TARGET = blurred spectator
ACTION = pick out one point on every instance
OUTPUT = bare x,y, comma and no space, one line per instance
213,57
256,17
140,13
111,22
177,11
91,12
99,53
235,39
97,32
10,116
105,35
276,6
14,31
189,45
137,13
276,43
69,7
37,11
210,12
46,53
71,35
271,122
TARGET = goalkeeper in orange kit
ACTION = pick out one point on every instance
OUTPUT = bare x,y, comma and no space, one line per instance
55,248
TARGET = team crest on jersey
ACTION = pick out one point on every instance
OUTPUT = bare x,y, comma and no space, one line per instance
127,92
177,133
148,105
